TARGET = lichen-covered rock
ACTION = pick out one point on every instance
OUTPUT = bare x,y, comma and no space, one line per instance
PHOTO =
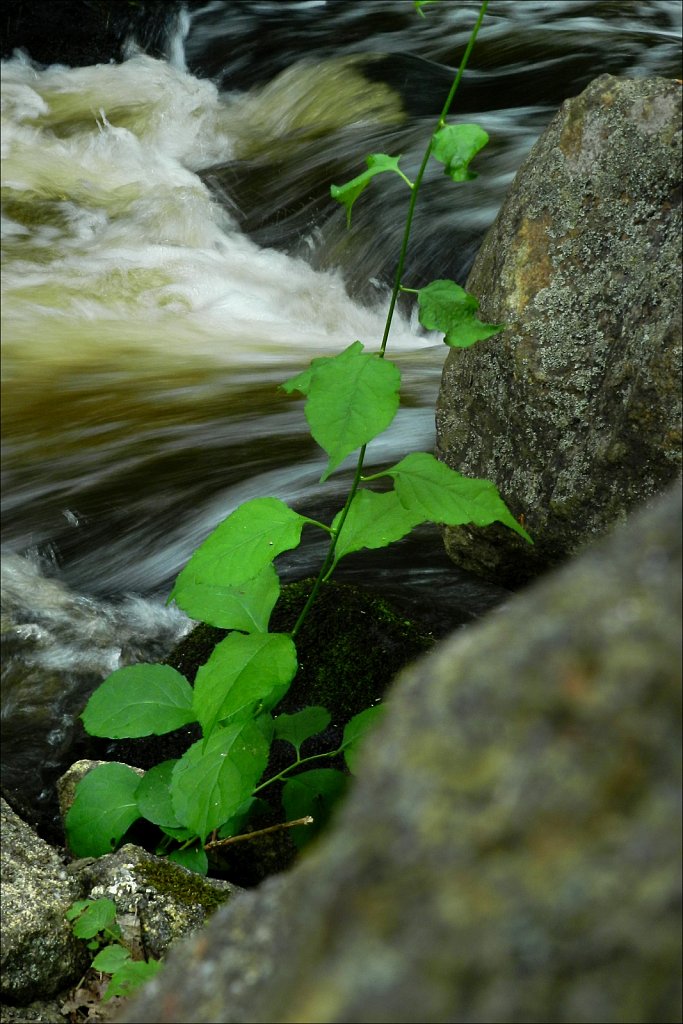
511,851
574,411
39,954
157,901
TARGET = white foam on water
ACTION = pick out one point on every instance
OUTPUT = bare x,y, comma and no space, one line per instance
122,271
108,221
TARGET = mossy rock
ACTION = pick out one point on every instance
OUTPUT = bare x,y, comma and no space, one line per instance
350,647
182,886
157,902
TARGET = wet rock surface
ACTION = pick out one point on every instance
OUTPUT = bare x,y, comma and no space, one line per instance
511,850
575,410
39,952
82,32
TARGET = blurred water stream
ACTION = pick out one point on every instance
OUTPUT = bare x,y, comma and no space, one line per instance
171,254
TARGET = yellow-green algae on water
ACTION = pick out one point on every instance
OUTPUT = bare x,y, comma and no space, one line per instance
118,286
307,101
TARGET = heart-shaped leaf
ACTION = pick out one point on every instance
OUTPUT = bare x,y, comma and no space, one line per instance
445,306
377,163
352,397
455,145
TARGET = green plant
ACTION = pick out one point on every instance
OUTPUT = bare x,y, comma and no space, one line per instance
95,922
231,582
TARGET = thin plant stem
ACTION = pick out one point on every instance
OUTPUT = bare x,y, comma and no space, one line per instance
420,174
297,764
328,564
257,833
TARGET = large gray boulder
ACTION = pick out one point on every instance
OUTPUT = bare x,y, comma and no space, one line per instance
575,410
511,850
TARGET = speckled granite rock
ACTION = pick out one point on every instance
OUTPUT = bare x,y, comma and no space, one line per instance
511,851
39,1012
575,410
39,954
157,902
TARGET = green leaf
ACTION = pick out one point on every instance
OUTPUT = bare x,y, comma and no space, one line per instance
104,808
154,795
191,857
180,834
235,824
374,521
244,672
240,547
302,381
215,776
314,792
265,723
76,908
93,917
442,495
377,163
455,145
246,607
355,731
130,976
352,397
139,700
445,306
300,726
111,959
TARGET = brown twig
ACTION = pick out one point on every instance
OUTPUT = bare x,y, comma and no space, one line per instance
308,820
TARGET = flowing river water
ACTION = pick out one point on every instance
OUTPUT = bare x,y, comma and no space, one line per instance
171,254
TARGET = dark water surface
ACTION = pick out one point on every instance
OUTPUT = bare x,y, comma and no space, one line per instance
171,254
